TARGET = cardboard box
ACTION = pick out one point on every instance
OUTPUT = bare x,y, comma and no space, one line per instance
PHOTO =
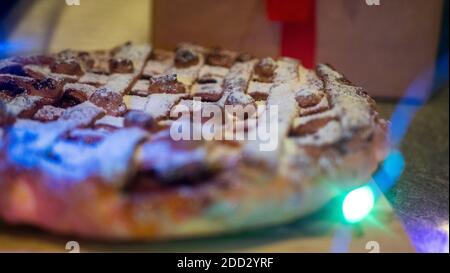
381,47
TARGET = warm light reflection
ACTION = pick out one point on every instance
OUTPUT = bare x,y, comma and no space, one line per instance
444,227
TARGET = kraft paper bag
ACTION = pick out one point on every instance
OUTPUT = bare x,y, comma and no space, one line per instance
380,47
232,24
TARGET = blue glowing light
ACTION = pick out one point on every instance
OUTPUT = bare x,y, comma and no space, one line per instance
390,170
17,46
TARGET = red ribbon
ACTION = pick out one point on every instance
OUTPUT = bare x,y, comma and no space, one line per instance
298,28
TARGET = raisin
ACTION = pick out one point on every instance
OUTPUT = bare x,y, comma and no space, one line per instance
265,69
8,67
206,80
67,54
244,100
238,98
47,83
165,84
218,57
309,100
10,87
67,66
46,88
111,102
120,65
48,113
67,101
185,58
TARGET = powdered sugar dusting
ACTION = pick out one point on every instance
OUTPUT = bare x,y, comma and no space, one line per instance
135,102
238,77
188,75
160,64
287,70
325,105
22,103
140,88
49,113
298,121
208,70
136,53
283,96
329,134
111,121
86,89
83,114
306,91
159,105
259,89
354,109
94,79
119,83
114,161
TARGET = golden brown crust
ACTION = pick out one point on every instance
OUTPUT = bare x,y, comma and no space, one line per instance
234,201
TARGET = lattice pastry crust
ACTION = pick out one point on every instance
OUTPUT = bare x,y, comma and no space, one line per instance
86,149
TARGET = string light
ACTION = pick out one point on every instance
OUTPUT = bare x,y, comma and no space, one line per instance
357,204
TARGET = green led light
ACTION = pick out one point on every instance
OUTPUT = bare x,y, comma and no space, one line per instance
357,204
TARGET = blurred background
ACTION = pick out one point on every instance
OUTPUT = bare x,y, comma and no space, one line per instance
52,25
393,41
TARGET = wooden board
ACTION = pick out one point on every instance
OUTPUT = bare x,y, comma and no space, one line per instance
51,26
381,231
